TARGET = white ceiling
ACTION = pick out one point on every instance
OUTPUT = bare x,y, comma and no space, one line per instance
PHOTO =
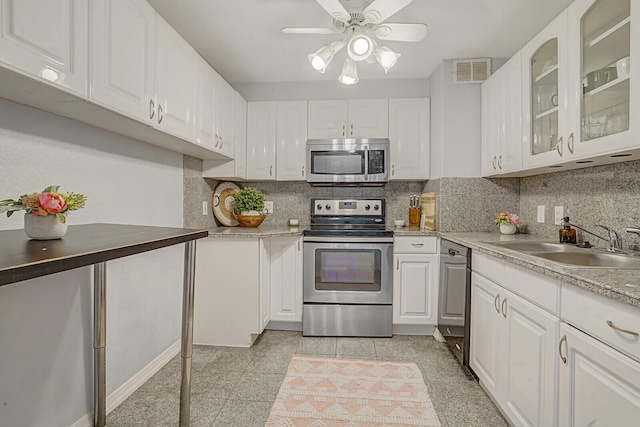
241,39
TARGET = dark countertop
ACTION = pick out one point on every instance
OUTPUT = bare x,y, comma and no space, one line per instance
22,258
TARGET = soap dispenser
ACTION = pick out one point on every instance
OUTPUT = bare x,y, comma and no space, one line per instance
567,234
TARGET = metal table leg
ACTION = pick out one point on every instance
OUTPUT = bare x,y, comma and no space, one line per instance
187,331
99,343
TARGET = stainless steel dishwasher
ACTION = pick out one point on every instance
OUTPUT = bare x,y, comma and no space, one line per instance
454,305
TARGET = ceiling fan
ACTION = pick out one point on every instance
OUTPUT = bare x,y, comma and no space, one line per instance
359,20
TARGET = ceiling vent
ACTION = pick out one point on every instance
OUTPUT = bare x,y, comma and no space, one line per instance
467,71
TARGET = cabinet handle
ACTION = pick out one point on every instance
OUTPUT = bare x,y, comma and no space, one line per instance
160,114
397,264
559,146
495,303
152,109
298,245
344,130
417,245
351,129
303,170
500,161
563,358
619,329
493,162
393,170
570,143
504,308
271,170
221,142
217,140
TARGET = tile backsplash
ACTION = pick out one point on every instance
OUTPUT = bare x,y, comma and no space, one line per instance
607,195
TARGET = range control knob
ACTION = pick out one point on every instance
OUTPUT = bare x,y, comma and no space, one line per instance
367,207
319,207
376,207
328,207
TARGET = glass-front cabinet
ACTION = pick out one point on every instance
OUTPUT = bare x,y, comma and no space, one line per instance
579,97
603,42
545,95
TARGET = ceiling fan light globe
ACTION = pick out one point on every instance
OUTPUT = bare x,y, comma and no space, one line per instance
349,75
386,57
360,47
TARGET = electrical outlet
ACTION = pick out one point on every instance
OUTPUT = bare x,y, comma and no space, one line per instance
559,214
205,208
268,206
541,213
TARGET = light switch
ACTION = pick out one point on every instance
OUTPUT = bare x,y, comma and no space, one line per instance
559,214
541,213
268,206
205,208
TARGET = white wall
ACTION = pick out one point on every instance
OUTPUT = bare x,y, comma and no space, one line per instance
456,127
46,342
291,91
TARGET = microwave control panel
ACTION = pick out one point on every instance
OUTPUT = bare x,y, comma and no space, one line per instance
376,162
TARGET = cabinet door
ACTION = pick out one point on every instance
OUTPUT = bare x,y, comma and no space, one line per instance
510,105
490,124
487,330
530,366
545,96
224,117
122,57
175,74
415,289
204,104
603,92
368,118
327,119
409,138
240,136
291,134
265,284
261,140
597,385
46,40
286,279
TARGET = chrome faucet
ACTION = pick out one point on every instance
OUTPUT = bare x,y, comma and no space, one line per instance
633,230
615,243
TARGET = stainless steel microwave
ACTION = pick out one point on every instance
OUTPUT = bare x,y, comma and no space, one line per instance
351,161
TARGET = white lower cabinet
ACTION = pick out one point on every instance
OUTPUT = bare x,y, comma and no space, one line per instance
286,279
231,303
415,281
512,352
598,385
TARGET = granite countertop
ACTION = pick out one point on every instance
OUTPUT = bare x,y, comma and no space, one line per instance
262,231
617,283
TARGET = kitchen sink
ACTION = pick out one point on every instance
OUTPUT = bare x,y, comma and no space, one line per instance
570,255
533,246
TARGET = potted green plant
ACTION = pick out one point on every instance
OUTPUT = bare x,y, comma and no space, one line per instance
249,207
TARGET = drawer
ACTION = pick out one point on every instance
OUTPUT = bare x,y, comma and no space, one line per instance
539,289
591,312
415,244
488,266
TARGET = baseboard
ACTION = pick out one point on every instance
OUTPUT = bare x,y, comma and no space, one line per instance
413,329
284,326
128,388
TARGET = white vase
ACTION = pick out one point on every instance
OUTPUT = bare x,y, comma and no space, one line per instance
44,227
508,228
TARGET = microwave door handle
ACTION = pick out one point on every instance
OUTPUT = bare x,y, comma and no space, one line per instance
366,163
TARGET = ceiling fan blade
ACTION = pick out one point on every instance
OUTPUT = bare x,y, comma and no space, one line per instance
380,10
403,32
293,30
335,9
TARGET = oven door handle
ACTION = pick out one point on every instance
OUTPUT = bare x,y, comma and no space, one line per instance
366,163
355,239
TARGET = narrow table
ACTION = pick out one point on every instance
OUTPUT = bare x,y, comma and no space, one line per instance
95,244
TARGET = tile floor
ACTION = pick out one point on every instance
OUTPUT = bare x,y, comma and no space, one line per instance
235,387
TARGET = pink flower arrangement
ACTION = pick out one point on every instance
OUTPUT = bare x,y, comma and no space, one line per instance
48,202
508,218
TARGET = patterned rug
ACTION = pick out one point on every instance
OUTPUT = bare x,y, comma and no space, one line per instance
330,392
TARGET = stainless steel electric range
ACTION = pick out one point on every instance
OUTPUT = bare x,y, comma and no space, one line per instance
348,276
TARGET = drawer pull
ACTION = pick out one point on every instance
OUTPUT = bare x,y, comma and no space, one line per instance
619,329
563,358
417,245
495,303
504,308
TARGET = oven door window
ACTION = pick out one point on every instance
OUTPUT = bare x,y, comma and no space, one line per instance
348,270
337,162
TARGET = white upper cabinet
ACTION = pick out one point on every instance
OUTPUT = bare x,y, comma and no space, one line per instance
291,134
204,104
122,57
46,40
545,95
355,118
604,37
240,136
261,140
502,119
224,127
409,133
175,62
